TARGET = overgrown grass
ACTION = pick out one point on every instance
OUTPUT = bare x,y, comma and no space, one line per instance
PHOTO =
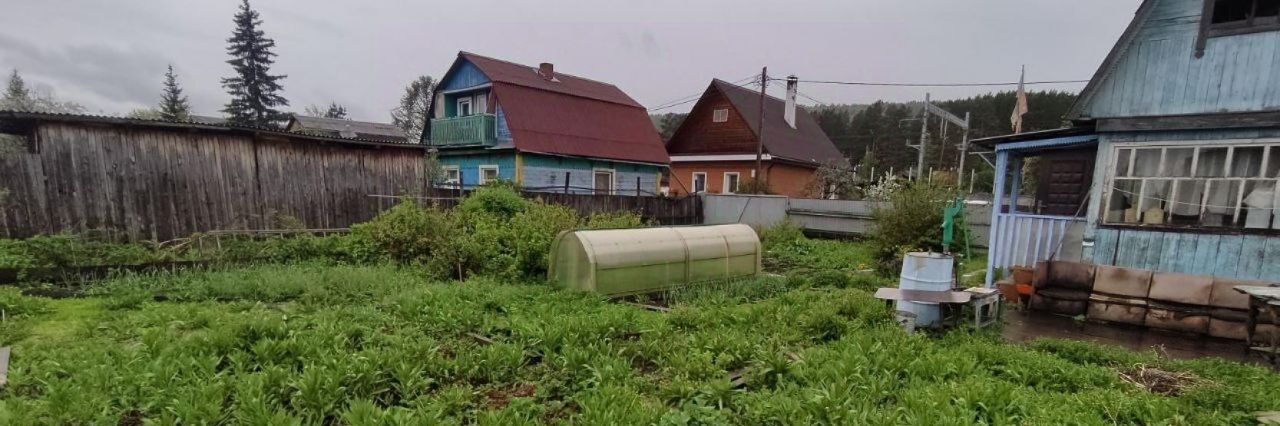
384,345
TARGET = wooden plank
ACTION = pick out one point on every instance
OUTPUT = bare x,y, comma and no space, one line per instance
1228,256
1104,246
1206,254
1271,262
4,366
1253,253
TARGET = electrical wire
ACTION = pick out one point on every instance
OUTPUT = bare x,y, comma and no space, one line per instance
694,97
889,84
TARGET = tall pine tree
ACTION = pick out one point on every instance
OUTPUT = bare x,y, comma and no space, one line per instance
16,94
173,104
255,93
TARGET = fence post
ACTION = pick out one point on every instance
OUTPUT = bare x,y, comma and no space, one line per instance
566,182
637,186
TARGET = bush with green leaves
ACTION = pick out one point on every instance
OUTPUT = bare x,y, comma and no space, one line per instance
911,220
406,233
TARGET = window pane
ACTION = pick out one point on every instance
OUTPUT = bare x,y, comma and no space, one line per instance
1177,162
1246,162
1147,162
1187,199
1123,204
1221,205
1122,162
1268,8
1155,198
1259,200
1212,162
1225,11
1273,162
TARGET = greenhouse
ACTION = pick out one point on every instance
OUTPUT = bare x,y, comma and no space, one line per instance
621,262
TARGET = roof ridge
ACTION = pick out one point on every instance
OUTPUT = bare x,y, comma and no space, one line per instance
340,120
463,52
738,86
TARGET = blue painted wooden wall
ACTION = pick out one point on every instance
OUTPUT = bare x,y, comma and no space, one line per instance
469,165
548,173
1252,257
1159,74
465,75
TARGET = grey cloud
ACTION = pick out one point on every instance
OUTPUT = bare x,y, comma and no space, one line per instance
120,76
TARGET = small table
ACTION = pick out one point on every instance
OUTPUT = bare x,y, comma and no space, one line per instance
945,299
986,306
1263,299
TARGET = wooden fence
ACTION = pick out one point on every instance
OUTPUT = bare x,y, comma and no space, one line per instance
138,180
165,181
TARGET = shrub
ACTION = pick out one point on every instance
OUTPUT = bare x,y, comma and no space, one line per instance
782,233
911,221
498,199
405,233
617,220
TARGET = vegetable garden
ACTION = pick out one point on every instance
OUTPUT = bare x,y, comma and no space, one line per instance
424,316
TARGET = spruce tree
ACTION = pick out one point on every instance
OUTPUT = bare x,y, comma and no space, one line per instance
336,111
255,93
16,94
173,104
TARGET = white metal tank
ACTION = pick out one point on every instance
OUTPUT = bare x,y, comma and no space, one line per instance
928,272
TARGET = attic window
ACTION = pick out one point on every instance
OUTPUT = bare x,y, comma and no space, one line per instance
720,116
1228,17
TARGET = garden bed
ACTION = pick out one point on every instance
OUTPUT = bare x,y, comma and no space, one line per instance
366,344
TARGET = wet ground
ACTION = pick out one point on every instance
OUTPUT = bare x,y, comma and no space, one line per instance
1024,326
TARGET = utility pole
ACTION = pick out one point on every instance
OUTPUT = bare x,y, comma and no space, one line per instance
759,177
964,148
924,137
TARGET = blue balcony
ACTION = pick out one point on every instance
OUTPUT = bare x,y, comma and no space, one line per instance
478,129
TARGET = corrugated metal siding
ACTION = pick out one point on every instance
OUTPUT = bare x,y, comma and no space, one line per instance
1159,74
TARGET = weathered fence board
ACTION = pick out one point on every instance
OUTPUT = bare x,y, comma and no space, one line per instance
161,181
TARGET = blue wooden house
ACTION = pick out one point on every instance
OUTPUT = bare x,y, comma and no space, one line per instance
543,130
1174,156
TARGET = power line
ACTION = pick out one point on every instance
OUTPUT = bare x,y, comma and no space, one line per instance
867,83
690,98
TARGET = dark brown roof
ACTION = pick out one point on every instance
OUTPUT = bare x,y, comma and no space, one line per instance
336,127
570,115
806,142
17,116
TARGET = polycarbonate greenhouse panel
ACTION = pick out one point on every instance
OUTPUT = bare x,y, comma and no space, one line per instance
621,262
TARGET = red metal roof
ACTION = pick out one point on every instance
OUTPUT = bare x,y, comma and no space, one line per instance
570,115
806,142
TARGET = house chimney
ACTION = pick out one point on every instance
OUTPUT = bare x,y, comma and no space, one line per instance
548,70
790,114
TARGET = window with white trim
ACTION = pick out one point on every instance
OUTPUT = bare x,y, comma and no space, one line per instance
720,115
488,174
1218,185
482,103
464,106
731,182
699,182
452,175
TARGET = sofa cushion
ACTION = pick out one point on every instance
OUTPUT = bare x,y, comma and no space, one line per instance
1224,294
1058,306
1177,320
1181,288
1063,293
1059,274
1116,312
1117,281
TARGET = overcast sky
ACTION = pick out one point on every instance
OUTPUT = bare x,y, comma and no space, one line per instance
110,55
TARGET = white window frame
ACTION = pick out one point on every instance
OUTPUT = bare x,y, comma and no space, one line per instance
1270,147
720,115
694,182
464,101
737,182
456,171
613,180
482,104
497,175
